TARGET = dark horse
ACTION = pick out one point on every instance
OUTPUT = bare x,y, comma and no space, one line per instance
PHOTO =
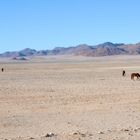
135,75
123,73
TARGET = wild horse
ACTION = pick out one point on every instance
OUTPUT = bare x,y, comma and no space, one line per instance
133,75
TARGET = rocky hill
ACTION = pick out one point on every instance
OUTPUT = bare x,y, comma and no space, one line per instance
104,49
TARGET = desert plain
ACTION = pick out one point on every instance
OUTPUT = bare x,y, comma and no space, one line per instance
70,98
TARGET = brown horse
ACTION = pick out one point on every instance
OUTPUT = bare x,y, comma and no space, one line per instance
133,75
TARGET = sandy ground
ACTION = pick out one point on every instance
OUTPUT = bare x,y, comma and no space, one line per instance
64,98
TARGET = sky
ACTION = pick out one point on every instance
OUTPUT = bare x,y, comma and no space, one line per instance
46,24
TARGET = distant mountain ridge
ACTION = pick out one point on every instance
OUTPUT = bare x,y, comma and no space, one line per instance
104,49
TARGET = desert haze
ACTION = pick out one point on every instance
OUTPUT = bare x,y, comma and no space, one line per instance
70,98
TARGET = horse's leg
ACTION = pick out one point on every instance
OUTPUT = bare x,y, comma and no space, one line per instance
133,77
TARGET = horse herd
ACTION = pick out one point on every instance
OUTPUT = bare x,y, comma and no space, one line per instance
133,75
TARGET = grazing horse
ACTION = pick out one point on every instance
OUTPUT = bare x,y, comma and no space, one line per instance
135,75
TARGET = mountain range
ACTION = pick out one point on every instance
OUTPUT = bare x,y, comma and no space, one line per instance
104,49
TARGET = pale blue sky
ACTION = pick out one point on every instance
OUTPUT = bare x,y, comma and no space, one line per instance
45,24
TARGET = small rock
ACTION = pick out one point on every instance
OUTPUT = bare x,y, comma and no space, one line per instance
83,135
90,135
75,133
125,130
100,132
130,134
31,138
50,135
